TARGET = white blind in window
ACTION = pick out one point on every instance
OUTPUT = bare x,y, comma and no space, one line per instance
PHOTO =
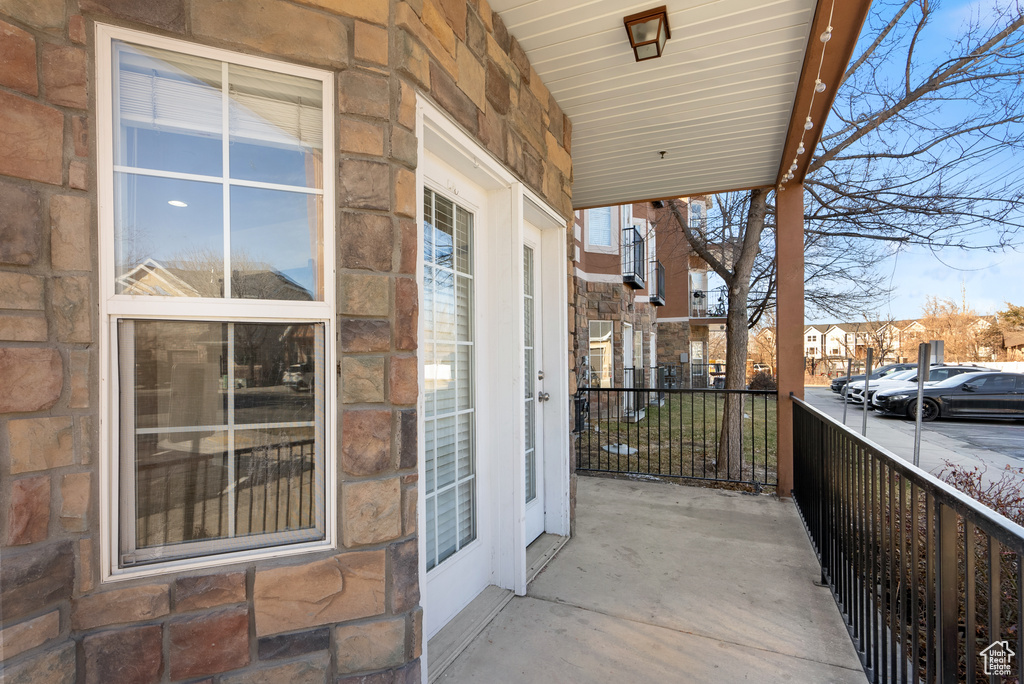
169,91
599,226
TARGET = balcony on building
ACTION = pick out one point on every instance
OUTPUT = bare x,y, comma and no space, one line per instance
709,303
656,291
633,258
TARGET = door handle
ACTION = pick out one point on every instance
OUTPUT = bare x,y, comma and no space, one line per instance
543,396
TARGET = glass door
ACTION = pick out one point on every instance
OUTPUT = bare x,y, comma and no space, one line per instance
534,395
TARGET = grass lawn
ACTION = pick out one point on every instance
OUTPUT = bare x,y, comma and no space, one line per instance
677,439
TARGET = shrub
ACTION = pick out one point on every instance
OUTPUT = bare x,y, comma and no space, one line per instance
763,380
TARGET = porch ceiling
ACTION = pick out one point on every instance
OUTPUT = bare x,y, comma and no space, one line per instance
719,102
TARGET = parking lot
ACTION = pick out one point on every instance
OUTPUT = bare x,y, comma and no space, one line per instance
994,444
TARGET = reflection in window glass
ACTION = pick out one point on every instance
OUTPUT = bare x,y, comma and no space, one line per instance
170,122
450,464
276,126
169,111
169,236
274,241
222,435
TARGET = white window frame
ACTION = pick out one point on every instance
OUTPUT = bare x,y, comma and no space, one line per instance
614,222
611,353
113,307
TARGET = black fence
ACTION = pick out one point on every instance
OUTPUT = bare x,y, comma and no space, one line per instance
652,429
184,498
928,580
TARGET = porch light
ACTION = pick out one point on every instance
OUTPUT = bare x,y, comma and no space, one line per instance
648,32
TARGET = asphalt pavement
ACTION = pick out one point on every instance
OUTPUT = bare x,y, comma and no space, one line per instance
992,444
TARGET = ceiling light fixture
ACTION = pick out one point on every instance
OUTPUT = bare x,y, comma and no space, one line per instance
648,32
177,203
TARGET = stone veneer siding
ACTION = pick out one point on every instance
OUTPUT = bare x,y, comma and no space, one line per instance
613,302
351,615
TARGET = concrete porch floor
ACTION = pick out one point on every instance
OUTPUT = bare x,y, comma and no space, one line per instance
668,583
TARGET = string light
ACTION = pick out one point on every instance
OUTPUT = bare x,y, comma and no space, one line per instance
819,87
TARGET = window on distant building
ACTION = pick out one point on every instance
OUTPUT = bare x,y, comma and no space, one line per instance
698,214
217,299
601,350
599,227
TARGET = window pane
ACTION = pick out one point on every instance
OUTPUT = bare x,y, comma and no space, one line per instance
215,447
445,445
274,374
600,353
275,476
180,375
463,240
169,237
448,374
276,127
178,485
275,242
169,111
443,314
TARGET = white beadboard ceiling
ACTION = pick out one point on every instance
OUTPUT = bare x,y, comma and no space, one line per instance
718,102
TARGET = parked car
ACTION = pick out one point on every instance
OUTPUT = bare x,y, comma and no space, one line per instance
968,395
762,368
299,377
906,379
936,375
854,391
881,372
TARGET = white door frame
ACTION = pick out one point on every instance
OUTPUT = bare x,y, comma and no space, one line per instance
499,347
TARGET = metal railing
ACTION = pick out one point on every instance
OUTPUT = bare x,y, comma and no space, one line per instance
185,498
633,261
709,303
656,291
927,579
674,433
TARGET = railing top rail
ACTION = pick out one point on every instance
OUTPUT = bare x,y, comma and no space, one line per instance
676,390
999,526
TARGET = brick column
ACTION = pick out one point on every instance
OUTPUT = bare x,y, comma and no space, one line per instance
789,254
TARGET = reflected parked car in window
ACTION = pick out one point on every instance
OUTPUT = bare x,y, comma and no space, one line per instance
299,377
970,395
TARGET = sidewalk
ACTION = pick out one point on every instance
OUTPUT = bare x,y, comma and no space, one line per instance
669,583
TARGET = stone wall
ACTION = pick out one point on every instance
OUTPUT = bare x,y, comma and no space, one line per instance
336,616
609,302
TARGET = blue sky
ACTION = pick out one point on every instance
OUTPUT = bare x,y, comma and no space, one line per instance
989,278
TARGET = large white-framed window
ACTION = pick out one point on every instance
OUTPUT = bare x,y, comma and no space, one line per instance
601,230
216,303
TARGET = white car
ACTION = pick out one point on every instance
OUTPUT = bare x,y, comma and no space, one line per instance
854,393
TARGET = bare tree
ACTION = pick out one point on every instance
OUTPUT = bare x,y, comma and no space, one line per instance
898,165
958,325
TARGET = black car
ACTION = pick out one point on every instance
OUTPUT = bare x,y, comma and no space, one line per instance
971,395
837,384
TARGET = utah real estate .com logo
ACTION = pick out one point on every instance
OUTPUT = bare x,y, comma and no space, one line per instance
997,658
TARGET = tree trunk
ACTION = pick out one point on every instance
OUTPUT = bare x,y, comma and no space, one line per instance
729,462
